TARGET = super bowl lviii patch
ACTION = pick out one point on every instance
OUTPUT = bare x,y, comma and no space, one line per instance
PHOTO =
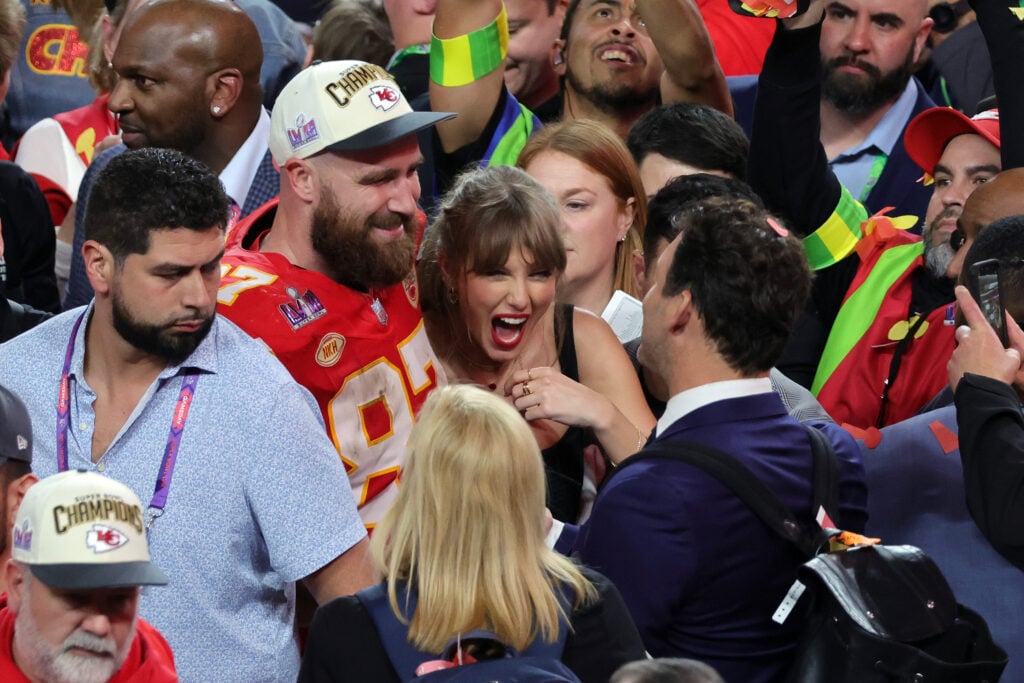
302,309
303,133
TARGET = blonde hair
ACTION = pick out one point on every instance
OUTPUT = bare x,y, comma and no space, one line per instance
12,28
87,16
596,145
466,533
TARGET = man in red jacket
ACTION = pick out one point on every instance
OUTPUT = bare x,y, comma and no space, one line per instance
71,614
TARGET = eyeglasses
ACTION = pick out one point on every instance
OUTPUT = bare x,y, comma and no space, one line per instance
946,15
957,239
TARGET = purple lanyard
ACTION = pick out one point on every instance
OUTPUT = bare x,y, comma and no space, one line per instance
163,481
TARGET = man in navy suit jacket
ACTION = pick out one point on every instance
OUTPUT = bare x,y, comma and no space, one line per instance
700,573
854,73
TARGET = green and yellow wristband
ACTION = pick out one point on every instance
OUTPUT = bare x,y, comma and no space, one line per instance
464,59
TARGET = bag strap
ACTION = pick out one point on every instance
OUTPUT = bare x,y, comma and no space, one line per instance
394,635
405,657
825,494
749,488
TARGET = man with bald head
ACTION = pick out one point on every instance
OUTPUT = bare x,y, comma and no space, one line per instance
846,75
1000,197
189,79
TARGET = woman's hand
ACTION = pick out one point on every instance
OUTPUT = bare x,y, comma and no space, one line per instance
544,393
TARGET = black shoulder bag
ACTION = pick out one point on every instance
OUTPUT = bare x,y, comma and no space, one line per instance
876,613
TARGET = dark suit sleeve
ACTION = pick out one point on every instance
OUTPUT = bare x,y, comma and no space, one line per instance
853,488
344,647
787,164
1004,35
29,241
988,415
638,539
603,635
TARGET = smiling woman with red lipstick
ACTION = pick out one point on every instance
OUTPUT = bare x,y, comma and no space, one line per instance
488,274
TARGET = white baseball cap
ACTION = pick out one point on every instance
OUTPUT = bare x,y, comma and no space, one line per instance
342,106
81,530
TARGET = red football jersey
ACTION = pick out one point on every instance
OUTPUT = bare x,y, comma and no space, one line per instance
365,357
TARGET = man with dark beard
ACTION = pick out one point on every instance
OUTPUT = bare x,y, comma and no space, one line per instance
616,60
866,49
879,326
149,384
324,276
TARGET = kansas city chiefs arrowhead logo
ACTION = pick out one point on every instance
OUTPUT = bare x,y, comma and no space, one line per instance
384,97
103,538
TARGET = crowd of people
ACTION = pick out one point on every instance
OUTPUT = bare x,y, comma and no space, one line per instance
379,303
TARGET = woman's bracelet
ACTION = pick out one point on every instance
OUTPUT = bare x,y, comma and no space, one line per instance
467,58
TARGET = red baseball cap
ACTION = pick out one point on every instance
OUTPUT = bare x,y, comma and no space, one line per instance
929,132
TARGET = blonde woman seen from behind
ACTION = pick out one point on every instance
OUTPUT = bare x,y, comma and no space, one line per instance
463,548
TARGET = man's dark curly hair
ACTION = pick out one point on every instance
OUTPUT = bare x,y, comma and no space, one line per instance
748,282
682,190
152,189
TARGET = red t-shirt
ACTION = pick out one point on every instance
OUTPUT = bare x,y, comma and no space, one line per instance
740,42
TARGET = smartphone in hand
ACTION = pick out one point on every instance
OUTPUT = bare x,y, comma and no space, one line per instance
987,291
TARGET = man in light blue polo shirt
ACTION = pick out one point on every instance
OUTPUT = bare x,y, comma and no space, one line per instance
149,386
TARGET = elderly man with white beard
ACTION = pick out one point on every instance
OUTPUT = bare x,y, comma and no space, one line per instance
71,612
